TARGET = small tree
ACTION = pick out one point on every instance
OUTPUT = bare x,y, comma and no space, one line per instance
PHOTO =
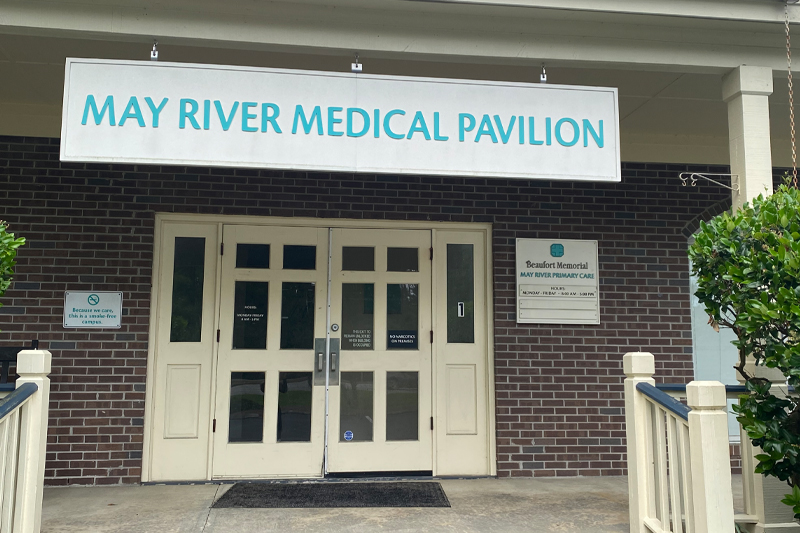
8,252
748,272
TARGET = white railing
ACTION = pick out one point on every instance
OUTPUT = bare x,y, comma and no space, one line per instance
23,438
679,476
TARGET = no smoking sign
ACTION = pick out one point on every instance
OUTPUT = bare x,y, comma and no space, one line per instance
94,309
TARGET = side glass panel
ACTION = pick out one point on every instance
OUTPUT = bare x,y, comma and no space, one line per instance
358,316
252,255
247,407
187,289
460,294
297,257
250,315
297,316
402,260
402,316
361,258
402,406
355,413
294,407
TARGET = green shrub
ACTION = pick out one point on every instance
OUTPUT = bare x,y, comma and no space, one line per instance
748,271
8,252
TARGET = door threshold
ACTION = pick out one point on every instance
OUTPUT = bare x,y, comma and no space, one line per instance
339,477
401,474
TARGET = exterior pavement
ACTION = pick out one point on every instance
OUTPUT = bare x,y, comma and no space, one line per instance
543,505
564,505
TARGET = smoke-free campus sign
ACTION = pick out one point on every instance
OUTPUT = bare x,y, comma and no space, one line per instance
92,309
188,114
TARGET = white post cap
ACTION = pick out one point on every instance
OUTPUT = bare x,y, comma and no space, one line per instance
34,362
706,395
639,364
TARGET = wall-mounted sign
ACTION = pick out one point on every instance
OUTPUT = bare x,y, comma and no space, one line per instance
557,282
187,114
92,309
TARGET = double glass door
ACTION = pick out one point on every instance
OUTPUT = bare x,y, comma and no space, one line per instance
324,358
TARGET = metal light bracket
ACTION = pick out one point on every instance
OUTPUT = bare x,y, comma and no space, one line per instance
690,178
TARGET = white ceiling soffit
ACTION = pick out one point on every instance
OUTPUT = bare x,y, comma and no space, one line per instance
398,29
733,10
743,10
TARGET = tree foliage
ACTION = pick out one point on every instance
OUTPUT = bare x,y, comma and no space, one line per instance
748,271
8,254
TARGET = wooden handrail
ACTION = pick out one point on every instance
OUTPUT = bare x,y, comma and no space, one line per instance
17,398
664,400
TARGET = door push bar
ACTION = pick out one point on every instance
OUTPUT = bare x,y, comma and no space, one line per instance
320,359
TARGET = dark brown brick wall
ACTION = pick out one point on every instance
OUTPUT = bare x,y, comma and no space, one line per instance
559,389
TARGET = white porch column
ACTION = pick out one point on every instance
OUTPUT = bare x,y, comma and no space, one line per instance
746,90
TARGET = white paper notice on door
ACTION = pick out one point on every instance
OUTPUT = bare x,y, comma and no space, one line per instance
557,282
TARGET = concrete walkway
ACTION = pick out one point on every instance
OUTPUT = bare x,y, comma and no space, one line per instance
559,505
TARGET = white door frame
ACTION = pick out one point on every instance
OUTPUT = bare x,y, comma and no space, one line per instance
162,219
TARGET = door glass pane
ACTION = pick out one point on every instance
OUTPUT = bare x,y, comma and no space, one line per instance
252,255
294,407
250,315
460,294
355,418
187,289
402,260
297,257
358,314
297,316
246,423
402,406
402,316
358,258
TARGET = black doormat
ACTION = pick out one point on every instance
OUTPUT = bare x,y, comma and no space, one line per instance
308,495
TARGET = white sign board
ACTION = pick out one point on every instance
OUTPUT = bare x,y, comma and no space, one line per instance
557,282
92,309
186,114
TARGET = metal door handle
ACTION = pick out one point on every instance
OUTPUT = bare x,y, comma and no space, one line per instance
319,364
333,373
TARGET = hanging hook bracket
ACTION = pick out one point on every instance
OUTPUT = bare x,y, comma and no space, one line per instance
690,178
356,67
